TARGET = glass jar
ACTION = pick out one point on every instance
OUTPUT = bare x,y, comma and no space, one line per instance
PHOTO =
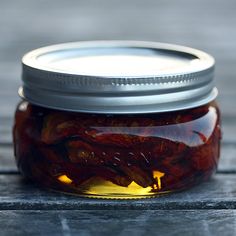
117,119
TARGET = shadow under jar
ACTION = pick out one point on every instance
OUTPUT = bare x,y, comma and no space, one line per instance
117,119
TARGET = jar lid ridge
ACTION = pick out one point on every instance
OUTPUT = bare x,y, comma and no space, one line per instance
61,77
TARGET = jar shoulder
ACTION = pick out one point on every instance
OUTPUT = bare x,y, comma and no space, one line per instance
192,127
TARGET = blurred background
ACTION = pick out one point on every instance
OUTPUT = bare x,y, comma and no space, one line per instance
209,25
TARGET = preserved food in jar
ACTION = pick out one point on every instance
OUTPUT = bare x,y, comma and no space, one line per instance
105,155
117,119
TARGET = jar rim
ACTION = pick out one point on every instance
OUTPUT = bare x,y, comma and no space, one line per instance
59,76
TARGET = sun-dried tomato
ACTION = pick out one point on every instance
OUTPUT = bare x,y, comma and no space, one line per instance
203,158
157,152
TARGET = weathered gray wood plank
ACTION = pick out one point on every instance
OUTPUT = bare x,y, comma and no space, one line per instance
227,159
219,193
112,222
6,130
7,161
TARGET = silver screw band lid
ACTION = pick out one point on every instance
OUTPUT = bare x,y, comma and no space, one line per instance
118,77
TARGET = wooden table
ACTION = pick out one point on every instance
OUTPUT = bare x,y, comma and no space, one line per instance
210,25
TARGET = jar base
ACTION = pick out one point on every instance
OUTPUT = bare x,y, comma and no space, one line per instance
101,189
115,196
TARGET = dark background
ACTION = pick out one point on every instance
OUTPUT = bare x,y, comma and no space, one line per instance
209,25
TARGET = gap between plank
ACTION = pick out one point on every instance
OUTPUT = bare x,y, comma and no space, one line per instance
98,204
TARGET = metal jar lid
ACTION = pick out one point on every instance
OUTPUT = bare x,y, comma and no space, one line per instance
118,77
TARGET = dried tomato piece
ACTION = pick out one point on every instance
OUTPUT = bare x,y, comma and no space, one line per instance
109,138
23,114
21,139
114,176
37,167
141,177
24,138
109,131
51,154
169,182
80,174
72,151
50,132
203,158
166,148
83,153
21,146
123,132
58,126
178,171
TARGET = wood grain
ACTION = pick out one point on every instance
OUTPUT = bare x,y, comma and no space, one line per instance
123,222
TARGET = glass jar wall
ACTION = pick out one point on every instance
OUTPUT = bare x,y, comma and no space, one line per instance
117,156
